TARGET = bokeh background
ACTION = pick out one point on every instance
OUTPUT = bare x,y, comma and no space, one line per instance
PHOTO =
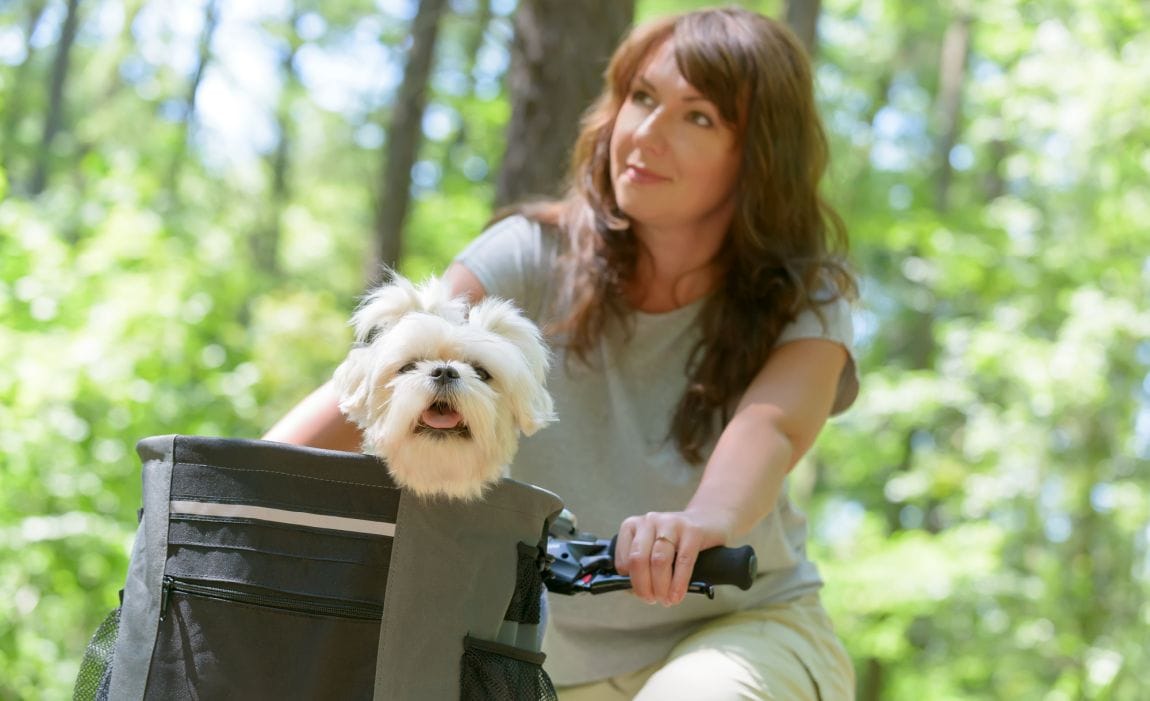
194,192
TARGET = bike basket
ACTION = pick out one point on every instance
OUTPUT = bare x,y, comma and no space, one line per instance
267,571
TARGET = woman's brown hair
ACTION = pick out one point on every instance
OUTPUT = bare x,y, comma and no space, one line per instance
783,253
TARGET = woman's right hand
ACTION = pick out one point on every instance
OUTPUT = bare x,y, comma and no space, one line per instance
658,551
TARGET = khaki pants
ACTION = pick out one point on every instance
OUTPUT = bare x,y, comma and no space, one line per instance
787,652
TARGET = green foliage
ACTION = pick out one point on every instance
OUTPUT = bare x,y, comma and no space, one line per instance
981,514
118,325
997,447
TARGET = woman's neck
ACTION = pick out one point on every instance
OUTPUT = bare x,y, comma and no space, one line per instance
674,268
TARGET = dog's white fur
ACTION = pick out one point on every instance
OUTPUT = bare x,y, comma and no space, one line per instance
386,385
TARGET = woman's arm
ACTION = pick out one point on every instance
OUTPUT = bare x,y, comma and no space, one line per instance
775,423
317,420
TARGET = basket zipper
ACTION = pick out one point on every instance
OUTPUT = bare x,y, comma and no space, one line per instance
343,609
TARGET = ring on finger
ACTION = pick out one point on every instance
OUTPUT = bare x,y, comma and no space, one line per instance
667,540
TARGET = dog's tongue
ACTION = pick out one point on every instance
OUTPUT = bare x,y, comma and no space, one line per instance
435,418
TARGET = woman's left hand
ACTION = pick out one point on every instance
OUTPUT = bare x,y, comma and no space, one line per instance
658,551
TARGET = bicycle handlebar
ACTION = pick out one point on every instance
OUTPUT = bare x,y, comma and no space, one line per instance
584,563
735,566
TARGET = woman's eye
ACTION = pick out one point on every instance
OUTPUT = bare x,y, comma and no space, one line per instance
701,119
481,373
642,97
407,368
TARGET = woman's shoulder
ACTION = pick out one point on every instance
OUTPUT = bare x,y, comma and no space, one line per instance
513,258
522,229
829,317
512,224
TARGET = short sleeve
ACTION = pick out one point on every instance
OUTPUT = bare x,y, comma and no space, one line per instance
832,322
513,259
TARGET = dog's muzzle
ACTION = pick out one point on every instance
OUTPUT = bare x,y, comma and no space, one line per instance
444,375
442,419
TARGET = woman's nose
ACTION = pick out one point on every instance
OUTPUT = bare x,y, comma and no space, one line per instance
650,132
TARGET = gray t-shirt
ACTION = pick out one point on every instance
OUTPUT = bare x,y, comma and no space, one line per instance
610,457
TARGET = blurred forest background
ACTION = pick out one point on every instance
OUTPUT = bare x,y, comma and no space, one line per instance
194,192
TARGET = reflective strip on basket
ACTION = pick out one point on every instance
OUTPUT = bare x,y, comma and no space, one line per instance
295,518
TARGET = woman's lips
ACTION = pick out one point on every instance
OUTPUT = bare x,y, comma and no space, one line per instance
642,176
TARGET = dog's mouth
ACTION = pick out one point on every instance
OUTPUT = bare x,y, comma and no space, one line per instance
442,419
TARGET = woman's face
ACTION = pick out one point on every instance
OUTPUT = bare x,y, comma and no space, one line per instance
674,161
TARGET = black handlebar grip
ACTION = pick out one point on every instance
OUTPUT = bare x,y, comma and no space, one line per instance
735,566
720,565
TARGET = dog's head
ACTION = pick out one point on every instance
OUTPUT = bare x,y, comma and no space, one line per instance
442,391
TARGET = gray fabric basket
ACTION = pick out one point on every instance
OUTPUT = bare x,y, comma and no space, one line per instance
263,570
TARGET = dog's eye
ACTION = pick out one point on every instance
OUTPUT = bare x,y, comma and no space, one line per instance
481,373
407,368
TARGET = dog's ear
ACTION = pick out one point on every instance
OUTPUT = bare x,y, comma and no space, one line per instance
536,410
382,307
352,386
531,401
387,304
500,317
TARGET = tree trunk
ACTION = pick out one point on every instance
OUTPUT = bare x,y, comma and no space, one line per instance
558,56
803,19
994,183
14,106
114,83
871,680
952,73
54,117
265,240
474,41
473,44
404,136
179,155
919,347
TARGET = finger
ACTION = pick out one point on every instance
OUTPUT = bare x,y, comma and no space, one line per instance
639,555
685,558
623,546
663,551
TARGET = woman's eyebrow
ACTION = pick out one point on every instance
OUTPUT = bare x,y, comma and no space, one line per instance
693,97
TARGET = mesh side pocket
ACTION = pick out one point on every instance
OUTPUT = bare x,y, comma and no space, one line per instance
494,672
96,668
526,600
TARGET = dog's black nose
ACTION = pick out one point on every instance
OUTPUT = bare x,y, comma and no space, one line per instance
444,374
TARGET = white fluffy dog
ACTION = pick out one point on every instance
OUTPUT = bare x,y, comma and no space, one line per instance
440,390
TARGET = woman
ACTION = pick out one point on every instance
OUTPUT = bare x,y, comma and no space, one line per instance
690,286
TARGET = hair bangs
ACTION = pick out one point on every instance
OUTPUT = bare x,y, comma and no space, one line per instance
715,53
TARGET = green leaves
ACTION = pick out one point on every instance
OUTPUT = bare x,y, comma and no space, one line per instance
980,514
1004,372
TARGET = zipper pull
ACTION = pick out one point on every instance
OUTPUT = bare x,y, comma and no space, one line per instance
165,596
